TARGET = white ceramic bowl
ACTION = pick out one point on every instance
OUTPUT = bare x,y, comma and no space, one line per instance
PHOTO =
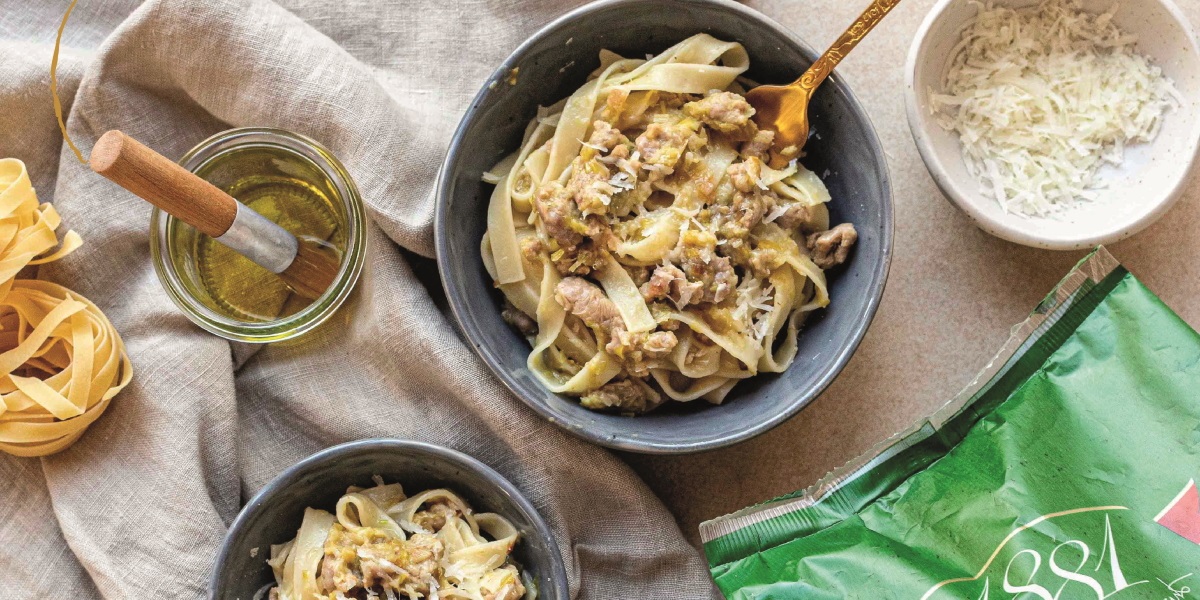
1147,183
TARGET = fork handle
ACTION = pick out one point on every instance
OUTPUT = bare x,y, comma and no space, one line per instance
834,55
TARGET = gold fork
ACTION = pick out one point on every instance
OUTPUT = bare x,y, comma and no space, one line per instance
784,108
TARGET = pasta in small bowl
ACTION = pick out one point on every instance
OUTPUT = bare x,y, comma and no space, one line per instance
641,249
389,519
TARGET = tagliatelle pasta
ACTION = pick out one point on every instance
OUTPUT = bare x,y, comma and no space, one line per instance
643,244
61,360
380,543
26,227
64,364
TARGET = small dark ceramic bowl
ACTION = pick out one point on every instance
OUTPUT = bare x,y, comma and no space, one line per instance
273,516
844,151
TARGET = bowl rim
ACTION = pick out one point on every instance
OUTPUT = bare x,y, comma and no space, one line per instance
291,474
862,322
919,126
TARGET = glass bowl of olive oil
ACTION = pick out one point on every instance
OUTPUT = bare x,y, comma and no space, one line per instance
289,179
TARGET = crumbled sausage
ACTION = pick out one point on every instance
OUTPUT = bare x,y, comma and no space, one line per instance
583,241
560,216
639,275
659,344
627,396
797,216
696,256
638,350
759,145
436,515
586,257
831,248
659,284
369,557
588,302
521,321
589,186
424,558
726,112
672,99
412,563
746,211
338,564
668,281
606,136
531,248
661,146
746,175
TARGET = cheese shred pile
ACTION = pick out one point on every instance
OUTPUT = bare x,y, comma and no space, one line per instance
1042,97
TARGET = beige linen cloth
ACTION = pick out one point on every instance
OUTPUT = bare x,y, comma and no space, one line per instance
137,509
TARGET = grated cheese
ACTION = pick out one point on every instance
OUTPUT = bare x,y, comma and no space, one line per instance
604,192
779,210
1042,97
596,147
621,181
754,306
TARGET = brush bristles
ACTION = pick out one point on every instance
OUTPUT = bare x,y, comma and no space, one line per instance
312,272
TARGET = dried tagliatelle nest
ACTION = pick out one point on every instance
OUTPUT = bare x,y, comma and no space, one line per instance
61,360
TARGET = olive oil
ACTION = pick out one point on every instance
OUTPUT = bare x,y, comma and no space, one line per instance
286,188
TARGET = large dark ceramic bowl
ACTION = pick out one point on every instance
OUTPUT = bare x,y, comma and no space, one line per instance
273,516
843,150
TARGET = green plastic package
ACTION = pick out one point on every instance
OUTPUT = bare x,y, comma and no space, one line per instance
1066,470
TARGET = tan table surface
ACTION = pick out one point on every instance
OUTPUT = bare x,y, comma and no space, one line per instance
952,295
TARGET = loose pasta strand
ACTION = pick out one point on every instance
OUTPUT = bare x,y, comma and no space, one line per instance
58,112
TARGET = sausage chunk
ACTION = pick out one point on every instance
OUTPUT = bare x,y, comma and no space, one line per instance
521,321
588,302
635,350
589,186
796,216
759,145
697,258
661,146
746,176
831,248
726,112
668,281
606,136
627,396
560,216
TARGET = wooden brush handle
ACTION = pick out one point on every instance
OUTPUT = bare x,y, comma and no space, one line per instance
163,183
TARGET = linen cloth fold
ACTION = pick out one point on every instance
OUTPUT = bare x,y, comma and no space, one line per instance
138,507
